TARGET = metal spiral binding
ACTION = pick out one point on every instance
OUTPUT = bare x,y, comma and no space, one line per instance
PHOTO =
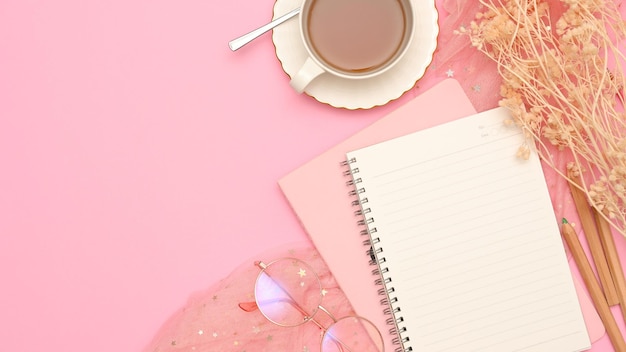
376,258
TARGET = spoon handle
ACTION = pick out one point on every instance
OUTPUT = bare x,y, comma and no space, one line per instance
248,37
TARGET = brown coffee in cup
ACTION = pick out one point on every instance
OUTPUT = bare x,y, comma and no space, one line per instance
352,39
356,36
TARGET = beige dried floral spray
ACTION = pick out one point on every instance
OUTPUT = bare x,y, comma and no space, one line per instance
563,81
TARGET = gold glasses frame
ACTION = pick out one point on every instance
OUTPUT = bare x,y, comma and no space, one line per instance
373,332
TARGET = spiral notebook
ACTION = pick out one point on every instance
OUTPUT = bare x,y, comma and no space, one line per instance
317,193
466,241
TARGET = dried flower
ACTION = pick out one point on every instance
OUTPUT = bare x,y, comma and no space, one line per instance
563,81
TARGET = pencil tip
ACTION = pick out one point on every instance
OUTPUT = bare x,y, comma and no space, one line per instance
564,221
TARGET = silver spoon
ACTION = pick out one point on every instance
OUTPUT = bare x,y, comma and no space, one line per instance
247,38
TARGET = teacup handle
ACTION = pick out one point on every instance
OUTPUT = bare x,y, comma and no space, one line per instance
305,75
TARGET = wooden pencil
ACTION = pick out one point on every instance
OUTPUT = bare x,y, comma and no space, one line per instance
606,238
599,300
588,223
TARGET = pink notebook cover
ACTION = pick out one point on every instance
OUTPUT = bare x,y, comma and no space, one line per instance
318,194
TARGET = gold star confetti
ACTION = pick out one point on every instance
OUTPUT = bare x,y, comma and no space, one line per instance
450,73
215,298
270,337
256,329
173,342
214,333
200,332
324,292
302,272
236,343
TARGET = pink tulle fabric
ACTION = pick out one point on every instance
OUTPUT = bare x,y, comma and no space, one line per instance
211,320
456,58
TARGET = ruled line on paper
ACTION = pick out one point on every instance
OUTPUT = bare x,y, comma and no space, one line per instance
451,231
444,216
464,270
493,324
514,286
529,331
554,338
428,180
454,306
471,151
420,200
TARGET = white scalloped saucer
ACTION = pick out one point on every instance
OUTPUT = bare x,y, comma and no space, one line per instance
361,93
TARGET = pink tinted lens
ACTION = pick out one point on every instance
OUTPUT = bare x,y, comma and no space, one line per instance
288,292
352,334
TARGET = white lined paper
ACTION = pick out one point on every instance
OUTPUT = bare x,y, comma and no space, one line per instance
470,240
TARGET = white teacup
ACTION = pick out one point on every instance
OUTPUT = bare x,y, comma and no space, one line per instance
352,39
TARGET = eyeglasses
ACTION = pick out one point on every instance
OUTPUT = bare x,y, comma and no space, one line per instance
289,293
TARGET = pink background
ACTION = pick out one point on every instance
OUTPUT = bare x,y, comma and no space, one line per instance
139,162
